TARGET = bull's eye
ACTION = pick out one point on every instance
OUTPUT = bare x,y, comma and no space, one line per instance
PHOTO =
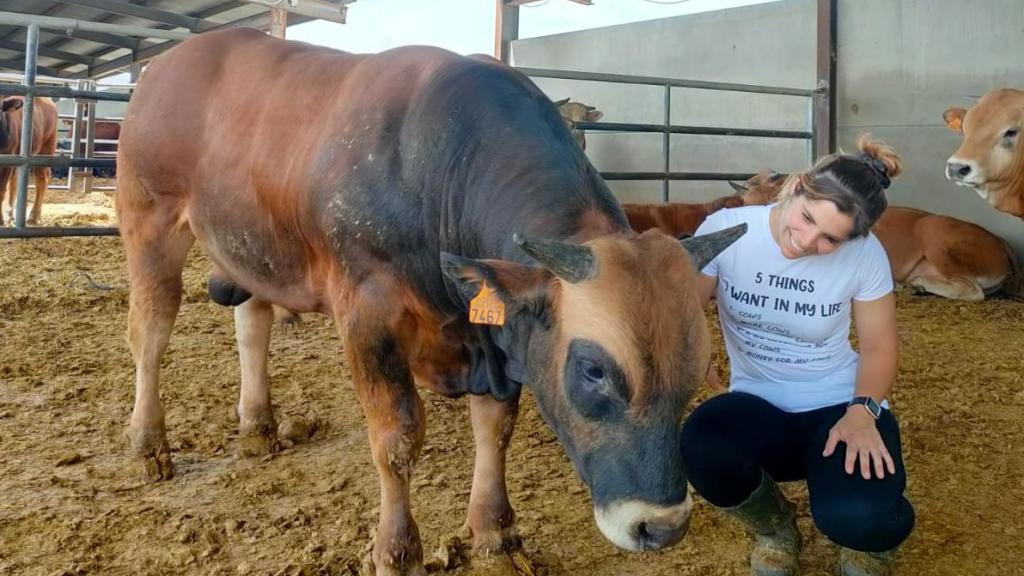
591,371
1011,133
594,382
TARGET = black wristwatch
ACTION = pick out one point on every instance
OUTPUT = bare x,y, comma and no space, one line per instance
869,404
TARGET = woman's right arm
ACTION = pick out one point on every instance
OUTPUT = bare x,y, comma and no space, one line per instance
706,286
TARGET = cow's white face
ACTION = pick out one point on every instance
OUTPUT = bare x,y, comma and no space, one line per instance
614,344
990,159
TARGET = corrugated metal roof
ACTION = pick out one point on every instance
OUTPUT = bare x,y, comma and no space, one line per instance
85,54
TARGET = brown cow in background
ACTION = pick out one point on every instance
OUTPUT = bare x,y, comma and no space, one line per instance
931,252
676,218
990,158
574,112
44,143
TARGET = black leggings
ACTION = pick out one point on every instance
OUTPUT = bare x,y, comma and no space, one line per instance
731,438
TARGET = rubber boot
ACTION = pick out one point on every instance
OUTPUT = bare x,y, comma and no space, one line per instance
855,563
772,520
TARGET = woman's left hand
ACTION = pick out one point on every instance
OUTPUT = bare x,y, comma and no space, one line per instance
858,430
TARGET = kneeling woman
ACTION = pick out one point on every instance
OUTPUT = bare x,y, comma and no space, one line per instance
802,404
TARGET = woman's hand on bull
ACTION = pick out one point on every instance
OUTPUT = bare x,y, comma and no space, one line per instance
858,430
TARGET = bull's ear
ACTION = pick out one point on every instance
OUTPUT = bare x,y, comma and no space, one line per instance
594,115
510,281
12,104
954,118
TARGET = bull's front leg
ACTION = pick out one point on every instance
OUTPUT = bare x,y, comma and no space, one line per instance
256,425
396,423
491,520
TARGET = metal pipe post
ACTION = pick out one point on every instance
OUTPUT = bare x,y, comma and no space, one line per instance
666,141
31,50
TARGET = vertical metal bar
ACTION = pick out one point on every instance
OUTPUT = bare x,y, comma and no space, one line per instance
665,144
31,48
825,101
506,29
90,136
77,130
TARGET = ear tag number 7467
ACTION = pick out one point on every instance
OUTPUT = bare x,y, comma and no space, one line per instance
487,307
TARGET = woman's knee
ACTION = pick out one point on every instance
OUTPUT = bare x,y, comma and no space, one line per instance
864,524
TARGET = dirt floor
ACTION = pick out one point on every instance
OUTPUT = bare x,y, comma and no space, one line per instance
71,503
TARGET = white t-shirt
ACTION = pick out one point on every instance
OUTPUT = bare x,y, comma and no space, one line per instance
786,322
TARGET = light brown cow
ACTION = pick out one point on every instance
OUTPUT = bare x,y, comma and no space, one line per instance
44,142
574,112
676,218
346,184
931,252
990,158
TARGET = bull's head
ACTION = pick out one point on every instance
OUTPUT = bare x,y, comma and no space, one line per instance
760,189
613,344
7,126
573,112
990,158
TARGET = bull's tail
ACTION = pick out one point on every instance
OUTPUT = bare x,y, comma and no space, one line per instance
1013,283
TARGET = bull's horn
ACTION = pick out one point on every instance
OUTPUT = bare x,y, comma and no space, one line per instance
703,249
570,262
738,187
590,108
560,102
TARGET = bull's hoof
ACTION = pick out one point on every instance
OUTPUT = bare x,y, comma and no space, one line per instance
258,435
373,568
153,454
505,564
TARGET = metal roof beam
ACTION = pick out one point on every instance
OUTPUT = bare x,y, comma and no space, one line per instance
140,11
49,52
19,65
150,52
322,9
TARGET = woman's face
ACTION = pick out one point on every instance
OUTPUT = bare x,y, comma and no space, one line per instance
805,227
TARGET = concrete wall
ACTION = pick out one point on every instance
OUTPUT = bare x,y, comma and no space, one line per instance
901,64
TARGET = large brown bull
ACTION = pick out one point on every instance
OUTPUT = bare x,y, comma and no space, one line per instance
990,159
44,142
931,252
385,190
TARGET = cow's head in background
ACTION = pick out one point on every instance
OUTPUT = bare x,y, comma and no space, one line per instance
574,112
8,127
990,158
612,341
760,189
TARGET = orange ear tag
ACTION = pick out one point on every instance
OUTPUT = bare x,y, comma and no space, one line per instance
487,308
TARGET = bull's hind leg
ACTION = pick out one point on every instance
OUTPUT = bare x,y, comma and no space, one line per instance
257,428
42,177
491,520
396,422
156,246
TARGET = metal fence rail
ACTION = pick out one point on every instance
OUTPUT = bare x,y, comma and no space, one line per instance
667,128
29,89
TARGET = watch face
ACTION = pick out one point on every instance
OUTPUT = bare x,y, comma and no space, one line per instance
873,406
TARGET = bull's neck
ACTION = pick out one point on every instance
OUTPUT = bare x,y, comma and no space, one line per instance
555,201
